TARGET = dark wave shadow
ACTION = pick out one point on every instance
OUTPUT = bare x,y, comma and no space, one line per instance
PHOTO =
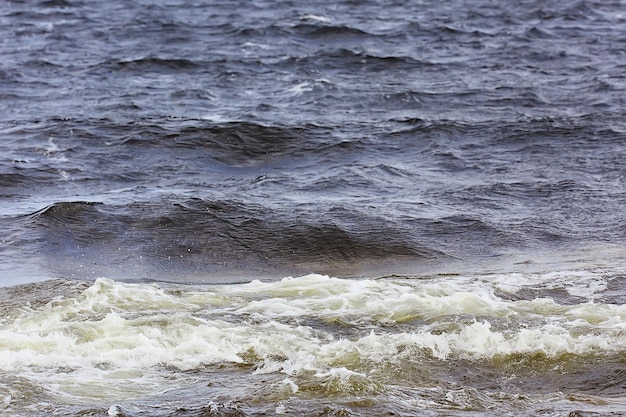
196,238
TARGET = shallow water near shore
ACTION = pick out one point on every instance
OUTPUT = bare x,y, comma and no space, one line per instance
316,345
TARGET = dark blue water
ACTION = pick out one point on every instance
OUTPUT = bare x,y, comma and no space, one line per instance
205,142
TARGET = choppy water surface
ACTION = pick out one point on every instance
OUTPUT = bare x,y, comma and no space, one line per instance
443,181
316,345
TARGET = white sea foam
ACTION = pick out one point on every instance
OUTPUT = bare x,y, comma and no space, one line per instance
300,89
114,330
315,17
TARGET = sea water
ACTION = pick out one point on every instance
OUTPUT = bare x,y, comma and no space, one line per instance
312,209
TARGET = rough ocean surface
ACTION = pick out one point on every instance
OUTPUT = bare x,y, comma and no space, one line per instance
444,180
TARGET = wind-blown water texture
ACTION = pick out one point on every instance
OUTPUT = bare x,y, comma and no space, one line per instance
282,138
461,162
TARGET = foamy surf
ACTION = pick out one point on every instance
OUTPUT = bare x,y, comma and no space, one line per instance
309,336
